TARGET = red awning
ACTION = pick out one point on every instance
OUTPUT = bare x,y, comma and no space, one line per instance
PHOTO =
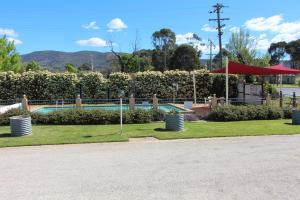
237,68
284,70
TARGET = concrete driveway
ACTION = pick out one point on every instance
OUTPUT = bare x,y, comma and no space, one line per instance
225,168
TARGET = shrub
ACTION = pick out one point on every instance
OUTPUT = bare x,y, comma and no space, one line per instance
45,85
93,85
119,81
271,89
86,117
4,118
157,115
287,112
241,113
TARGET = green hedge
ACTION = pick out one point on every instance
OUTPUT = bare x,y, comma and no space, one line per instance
46,85
93,85
242,113
86,117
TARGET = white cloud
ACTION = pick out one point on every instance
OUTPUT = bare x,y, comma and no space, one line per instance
116,25
288,27
8,32
183,38
208,28
263,24
262,42
187,38
287,37
93,42
14,40
234,29
276,27
91,25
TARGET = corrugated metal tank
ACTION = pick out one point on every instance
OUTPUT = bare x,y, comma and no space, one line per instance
296,117
20,125
175,122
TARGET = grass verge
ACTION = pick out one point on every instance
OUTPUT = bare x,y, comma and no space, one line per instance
49,135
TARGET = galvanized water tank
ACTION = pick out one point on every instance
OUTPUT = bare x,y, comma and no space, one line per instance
175,122
20,125
296,117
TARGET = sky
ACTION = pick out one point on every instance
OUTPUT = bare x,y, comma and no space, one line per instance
77,25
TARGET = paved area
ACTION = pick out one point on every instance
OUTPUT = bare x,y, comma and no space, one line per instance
207,169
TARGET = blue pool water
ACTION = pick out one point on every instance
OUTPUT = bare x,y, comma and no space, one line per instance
166,108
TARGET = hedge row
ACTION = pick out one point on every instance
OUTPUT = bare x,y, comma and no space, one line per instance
86,117
251,112
46,85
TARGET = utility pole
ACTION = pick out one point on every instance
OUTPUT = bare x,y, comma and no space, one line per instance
211,46
217,9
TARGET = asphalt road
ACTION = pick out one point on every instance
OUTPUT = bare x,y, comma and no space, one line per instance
215,169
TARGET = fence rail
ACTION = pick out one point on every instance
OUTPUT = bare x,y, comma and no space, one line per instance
281,101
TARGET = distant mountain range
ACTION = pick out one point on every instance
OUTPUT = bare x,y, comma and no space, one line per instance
56,60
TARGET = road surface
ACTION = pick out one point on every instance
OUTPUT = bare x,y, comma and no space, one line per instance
244,168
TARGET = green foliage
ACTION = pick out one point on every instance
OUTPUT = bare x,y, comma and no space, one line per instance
94,85
277,52
271,89
157,115
242,113
32,66
9,85
119,81
70,68
293,49
134,63
242,47
86,117
164,39
4,118
287,112
185,57
10,60
164,42
218,86
41,85
61,86
44,85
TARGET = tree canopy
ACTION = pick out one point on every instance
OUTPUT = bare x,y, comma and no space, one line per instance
277,52
164,42
293,49
10,59
70,68
185,57
242,47
32,66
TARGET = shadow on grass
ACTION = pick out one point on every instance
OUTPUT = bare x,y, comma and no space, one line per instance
161,130
87,136
287,123
5,135
103,135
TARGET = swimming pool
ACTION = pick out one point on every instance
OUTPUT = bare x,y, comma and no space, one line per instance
163,107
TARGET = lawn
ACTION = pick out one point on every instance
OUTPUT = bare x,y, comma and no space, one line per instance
286,85
45,135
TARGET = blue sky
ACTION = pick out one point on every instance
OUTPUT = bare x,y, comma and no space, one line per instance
87,24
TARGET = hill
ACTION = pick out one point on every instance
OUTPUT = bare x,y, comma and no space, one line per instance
56,60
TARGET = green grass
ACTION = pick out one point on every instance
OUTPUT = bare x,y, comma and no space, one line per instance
46,135
286,85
